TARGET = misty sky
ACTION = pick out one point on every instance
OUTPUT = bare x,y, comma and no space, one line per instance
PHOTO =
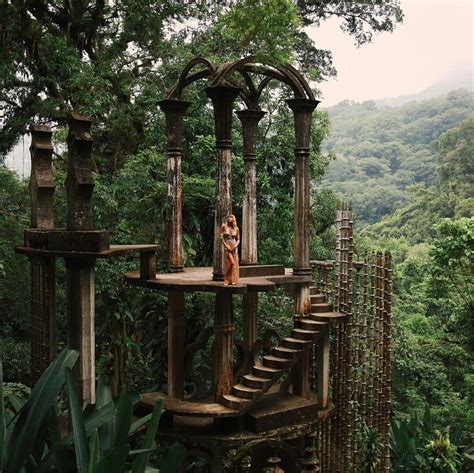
435,38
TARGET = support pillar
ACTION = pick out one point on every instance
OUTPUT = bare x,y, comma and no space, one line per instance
249,120
176,345
43,269
224,340
80,292
300,373
174,111
80,273
302,110
43,315
323,368
222,98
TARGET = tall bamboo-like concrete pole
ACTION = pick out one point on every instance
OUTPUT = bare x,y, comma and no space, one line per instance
43,269
250,120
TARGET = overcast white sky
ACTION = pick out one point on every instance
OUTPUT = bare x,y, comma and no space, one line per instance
435,38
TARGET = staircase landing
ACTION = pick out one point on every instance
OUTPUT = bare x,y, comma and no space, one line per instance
258,278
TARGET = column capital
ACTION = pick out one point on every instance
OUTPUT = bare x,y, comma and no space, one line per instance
223,97
250,119
302,104
302,110
174,111
174,105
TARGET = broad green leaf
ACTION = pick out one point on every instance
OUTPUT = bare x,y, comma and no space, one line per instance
94,450
113,461
94,421
34,412
79,431
107,430
123,419
141,450
139,423
141,461
53,426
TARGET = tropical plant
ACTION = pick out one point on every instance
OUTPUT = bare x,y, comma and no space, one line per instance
439,456
100,441
416,446
371,446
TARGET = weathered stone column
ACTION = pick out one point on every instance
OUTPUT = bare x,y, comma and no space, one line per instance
174,111
43,269
224,340
222,97
176,344
249,120
302,110
80,293
80,273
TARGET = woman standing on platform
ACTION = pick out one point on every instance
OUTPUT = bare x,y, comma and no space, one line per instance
230,237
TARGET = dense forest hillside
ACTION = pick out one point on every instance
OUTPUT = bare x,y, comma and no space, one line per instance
381,152
411,171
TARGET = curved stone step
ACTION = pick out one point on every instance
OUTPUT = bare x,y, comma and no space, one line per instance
318,298
310,324
240,390
304,334
327,317
276,362
265,371
295,343
321,307
235,402
284,352
313,290
257,382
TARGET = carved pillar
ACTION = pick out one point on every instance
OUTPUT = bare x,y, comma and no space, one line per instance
224,340
222,98
79,180
43,269
323,368
176,341
80,274
80,292
249,120
174,111
302,110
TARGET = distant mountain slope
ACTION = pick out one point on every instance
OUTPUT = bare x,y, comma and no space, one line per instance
457,79
380,151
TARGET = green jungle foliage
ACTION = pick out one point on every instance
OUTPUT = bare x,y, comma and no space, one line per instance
411,165
101,440
385,155
431,238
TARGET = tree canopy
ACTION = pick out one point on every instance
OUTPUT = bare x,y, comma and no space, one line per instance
113,60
